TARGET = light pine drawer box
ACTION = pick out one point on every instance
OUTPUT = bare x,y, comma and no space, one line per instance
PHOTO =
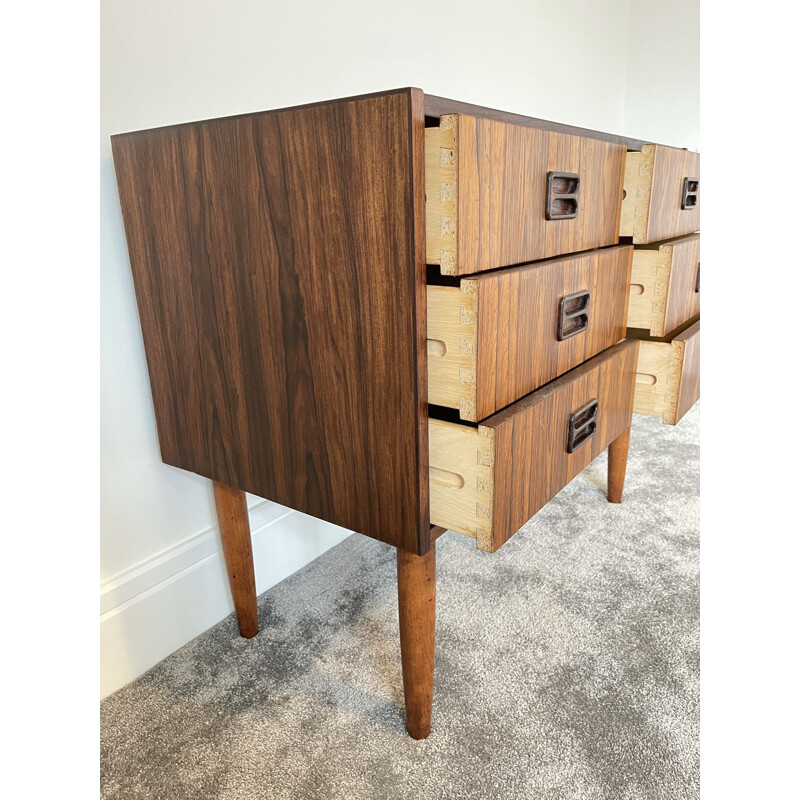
487,480
668,374
500,335
499,194
661,195
665,285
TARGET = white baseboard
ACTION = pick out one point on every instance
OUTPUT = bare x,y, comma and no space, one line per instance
154,608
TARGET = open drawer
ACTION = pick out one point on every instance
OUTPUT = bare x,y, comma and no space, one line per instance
668,375
499,194
661,195
487,480
665,285
500,335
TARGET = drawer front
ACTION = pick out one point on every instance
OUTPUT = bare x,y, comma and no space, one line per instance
501,335
665,285
486,481
662,194
668,375
499,194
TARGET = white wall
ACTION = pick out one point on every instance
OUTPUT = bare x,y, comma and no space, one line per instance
169,61
662,98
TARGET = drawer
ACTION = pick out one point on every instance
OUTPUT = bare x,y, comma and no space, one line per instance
487,480
665,285
661,197
497,195
496,337
668,374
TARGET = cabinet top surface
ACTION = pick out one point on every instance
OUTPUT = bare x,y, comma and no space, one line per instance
434,107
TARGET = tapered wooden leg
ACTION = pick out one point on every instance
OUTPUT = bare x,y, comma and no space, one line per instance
617,462
416,595
234,526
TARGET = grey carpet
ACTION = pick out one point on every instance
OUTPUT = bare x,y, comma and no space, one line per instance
567,665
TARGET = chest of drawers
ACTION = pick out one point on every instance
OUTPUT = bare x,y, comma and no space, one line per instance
401,314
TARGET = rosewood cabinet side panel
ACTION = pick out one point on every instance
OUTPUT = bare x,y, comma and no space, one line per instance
281,298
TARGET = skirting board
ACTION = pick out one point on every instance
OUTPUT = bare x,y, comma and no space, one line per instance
153,609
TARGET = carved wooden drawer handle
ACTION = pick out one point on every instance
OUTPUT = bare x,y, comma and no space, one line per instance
573,315
582,425
690,188
563,189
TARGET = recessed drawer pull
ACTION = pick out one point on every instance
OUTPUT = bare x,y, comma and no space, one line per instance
437,348
573,315
563,189
446,478
697,281
690,189
582,426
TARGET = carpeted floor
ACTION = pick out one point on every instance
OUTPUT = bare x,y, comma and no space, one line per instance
567,665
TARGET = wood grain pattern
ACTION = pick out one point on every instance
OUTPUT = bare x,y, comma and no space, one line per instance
668,374
487,481
417,275
237,547
416,596
279,269
500,189
666,217
651,208
493,339
663,282
517,347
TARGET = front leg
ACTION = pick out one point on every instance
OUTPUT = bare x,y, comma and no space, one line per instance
416,594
